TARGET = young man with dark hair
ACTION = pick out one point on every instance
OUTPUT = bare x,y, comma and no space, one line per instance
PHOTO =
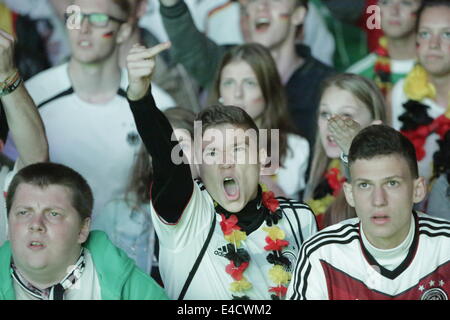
389,251
224,237
51,254
272,23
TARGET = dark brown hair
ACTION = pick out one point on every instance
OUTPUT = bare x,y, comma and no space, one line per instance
45,174
429,4
217,115
382,140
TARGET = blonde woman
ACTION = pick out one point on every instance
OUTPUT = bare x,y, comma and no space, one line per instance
348,103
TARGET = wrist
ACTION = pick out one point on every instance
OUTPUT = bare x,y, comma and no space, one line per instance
134,94
344,158
10,84
8,74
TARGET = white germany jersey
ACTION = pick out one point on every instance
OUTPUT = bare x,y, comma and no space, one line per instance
335,265
180,245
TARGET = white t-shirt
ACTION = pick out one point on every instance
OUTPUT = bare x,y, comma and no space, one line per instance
291,177
100,141
180,245
398,99
335,265
86,288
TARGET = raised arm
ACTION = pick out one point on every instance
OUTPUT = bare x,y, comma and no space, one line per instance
193,49
172,183
24,121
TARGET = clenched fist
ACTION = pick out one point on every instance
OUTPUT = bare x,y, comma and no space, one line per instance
140,66
6,55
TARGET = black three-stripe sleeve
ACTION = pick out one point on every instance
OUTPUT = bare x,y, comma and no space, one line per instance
172,183
305,267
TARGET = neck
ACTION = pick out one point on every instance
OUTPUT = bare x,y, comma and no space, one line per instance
286,59
43,279
390,242
442,85
402,48
96,82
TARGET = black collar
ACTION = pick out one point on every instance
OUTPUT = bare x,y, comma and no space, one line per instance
251,217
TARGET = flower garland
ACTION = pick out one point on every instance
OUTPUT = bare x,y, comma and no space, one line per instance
417,124
240,259
382,66
327,191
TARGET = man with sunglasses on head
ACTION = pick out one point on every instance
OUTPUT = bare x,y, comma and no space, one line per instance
83,102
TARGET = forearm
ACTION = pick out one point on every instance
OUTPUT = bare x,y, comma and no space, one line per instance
172,184
26,126
193,49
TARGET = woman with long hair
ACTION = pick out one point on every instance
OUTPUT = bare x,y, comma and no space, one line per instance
357,101
248,78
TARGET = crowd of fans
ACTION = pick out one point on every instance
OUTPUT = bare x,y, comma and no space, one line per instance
121,180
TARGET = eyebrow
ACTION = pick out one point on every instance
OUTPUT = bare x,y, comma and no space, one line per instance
384,179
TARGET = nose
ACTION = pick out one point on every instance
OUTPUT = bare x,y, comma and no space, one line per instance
85,26
379,198
37,223
228,161
395,9
435,41
238,91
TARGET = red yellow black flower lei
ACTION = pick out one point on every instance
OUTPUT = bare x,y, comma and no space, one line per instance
417,124
382,67
240,259
327,191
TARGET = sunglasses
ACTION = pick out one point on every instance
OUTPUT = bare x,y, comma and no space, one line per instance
99,20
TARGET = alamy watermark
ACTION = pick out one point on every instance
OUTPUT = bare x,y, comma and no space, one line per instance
233,146
74,17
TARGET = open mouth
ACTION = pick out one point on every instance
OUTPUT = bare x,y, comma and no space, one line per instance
262,24
36,245
231,188
85,44
380,219
331,141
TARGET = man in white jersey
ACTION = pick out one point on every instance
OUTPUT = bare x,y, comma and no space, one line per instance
226,238
83,102
389,251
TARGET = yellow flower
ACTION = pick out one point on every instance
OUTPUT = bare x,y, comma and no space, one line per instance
236,237
275,233
280,276
417,86
383,41
321,205
239,286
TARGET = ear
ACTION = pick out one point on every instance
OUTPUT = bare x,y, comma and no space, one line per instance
420,189
84,232
124,33
348,191
299,15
